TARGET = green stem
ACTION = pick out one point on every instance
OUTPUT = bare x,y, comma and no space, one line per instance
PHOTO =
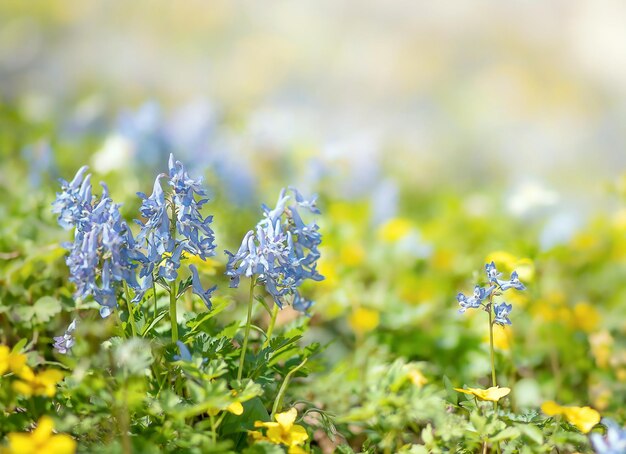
154,296
244,346
281,392
270,328
131,317
173,319
493,361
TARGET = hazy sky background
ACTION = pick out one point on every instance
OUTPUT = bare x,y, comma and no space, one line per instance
515,90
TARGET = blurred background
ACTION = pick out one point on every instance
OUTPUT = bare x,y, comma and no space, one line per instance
438,136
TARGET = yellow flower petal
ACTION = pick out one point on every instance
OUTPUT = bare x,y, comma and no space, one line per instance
287,418
394,230
21,444
417,378
43,430
298,435
364,320
235,408
585,418
551,408
493,394
59,444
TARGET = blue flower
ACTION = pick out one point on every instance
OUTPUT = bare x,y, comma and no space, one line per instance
196,286
492,272
103,253
64,343
185,354
74,198
513,282
281,252
165,239
613,443
502,312
474,301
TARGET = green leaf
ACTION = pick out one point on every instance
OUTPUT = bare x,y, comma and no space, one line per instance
45,308
453,396
532,432
156,320
17,348
507,434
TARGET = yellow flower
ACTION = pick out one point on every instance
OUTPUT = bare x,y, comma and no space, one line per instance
582,417
586,317
14,362
235,408
42,384
283,431
208,266
493,394
364,320
508,263
501,337
417,378
352,254
41,440
601,347
394,230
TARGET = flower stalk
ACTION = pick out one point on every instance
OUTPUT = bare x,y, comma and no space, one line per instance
246,335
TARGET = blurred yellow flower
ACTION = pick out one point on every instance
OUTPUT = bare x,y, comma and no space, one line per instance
352,254
41,440
501,337
585,418
235,408
417,378
42,384
283,431
493,394
327,268
208,266
507,262
586,317
364,320
394,230
13,362
601,347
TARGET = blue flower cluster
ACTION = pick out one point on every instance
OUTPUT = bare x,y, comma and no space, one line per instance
613,443
281,252
104,252
173,226
495,287
64,343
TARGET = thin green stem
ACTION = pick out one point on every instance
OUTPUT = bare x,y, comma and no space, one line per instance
173,319
129,304
270,328
493,361
154,296
246,335
281,392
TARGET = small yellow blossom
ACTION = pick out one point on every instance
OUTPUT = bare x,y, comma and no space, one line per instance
41,440
417,378
283,431
508,263
394,230
42,384
208,266
364,320
14,362
501,338
235,408
586,317
352,254
493,394
601,347
585,418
